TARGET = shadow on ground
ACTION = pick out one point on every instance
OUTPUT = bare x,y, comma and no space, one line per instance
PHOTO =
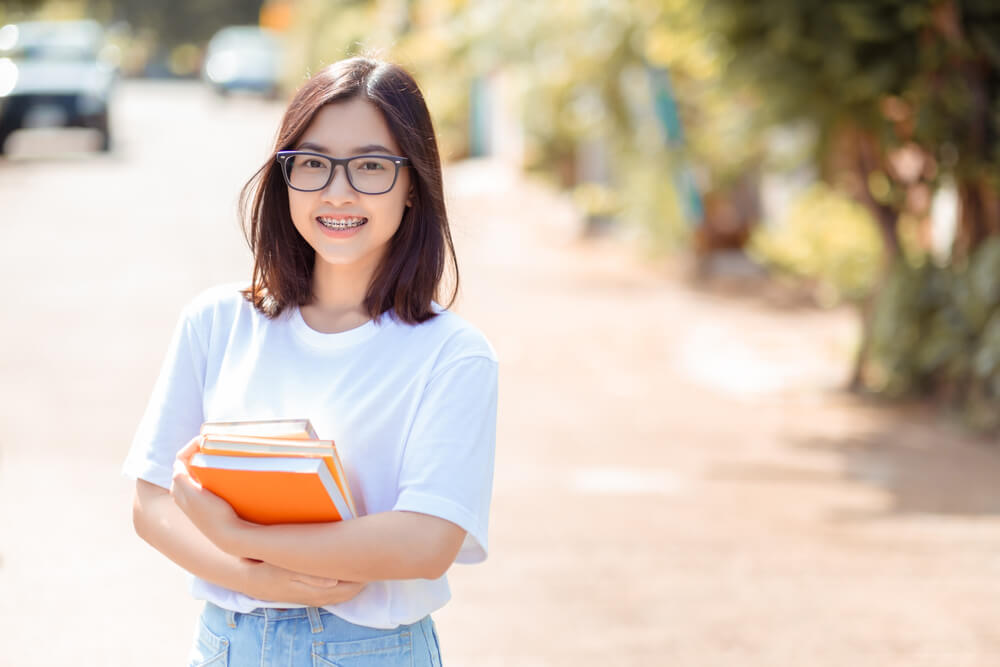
923,464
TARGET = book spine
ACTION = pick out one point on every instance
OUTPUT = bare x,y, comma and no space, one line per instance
341,478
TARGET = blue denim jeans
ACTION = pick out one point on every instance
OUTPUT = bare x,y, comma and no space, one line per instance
308,637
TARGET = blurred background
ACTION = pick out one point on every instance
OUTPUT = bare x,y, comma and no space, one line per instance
849,148
757,245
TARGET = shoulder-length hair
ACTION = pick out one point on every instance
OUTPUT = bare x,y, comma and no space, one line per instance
410,274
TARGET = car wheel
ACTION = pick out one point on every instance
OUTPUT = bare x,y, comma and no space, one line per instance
103,127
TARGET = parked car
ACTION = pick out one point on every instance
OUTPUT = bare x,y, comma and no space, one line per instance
247,58
52,74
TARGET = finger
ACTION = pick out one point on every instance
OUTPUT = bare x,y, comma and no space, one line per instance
189,450
321,582
184,489
180,490
181,478
181,471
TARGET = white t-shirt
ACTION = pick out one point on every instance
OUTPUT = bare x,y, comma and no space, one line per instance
412,410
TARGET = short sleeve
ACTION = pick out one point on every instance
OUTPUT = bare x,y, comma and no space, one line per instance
447,467
174,413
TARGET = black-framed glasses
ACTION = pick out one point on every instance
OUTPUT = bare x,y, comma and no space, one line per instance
368,174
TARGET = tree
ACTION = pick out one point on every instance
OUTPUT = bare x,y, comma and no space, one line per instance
590,75
17,9
184,21
904,96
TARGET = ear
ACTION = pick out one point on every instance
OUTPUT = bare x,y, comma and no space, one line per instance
409,197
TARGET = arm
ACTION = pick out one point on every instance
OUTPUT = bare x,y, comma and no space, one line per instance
389,545
159,521
173,415
449,454
450,451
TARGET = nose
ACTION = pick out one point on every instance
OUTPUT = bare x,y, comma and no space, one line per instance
339,189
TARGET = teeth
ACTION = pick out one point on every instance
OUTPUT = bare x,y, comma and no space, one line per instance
342,223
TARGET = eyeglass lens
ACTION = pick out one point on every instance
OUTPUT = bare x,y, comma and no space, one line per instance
366,174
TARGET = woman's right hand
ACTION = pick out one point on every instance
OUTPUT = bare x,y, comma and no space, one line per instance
270,582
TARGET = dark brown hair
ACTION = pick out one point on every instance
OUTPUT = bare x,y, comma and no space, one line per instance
410,273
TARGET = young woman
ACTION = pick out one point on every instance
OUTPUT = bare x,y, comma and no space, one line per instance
350,238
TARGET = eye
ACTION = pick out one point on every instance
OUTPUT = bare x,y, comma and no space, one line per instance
312,163
371,165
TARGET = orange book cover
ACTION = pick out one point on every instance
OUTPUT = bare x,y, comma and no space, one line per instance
273,489
236,445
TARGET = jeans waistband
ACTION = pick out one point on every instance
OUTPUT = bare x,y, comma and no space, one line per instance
277,614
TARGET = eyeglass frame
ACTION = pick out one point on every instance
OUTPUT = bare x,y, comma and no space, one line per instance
283,156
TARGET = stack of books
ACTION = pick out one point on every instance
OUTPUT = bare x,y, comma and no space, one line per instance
273,471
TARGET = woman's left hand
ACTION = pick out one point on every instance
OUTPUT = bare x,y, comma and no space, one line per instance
212,515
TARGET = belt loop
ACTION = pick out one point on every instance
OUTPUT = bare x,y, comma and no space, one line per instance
231,618
314,620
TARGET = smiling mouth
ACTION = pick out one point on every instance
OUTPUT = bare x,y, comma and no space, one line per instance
341,223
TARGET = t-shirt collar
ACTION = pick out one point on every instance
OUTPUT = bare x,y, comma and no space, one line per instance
332,341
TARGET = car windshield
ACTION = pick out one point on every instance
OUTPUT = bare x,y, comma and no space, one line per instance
70,40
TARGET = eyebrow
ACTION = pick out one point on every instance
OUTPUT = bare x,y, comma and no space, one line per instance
360,150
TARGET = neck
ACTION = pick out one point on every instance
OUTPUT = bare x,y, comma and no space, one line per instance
338,302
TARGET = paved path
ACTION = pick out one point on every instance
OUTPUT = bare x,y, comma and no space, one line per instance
679,479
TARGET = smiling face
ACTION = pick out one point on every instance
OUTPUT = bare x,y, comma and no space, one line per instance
349,231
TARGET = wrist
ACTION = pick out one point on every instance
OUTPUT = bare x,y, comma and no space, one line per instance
232,539
253,579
